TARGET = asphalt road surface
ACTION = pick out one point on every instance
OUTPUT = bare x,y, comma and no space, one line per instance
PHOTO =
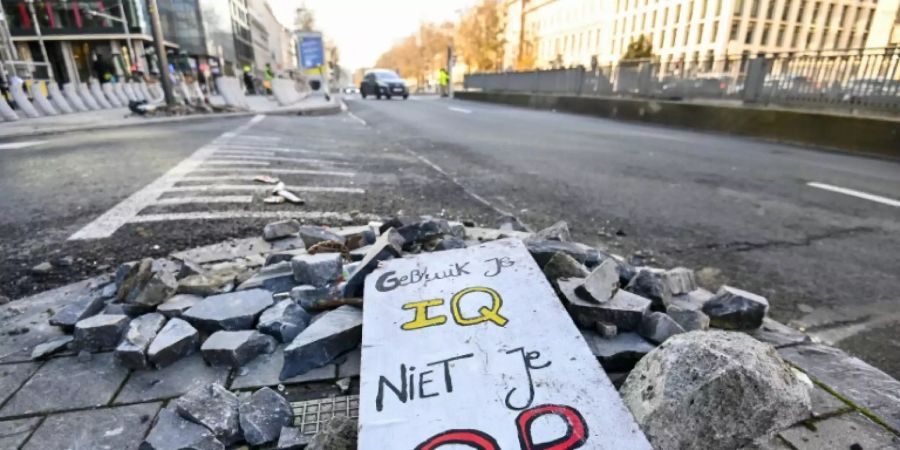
815,232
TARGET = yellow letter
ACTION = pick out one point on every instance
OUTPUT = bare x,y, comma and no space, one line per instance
492,314
422,320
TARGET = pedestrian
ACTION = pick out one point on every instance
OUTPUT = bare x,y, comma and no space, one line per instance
248,80
444,81
268,75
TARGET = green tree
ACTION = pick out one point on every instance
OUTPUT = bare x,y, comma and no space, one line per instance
640,48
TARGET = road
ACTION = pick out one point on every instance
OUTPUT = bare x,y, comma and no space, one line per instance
740,211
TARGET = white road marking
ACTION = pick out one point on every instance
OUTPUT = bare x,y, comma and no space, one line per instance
214,215
460,110
244,153
113,219
358,119
205,199
254,137
262,187
18,145
237,162
477,197
266,148
280,158
234,176
281,171
855,193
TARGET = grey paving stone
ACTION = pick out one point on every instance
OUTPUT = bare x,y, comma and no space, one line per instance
841,432
214,407
173,432
331,335
236,348
619,353
849,376
14,432
176,340
12,376
117,428
778,334
82,308
265,369
170,382
100,332
823,403
66,383
178,304
233,311
132,350
263,415
351,365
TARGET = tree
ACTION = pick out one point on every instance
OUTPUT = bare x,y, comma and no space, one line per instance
640,48
479,37
528,57
412,56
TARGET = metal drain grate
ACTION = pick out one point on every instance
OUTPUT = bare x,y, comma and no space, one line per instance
311,415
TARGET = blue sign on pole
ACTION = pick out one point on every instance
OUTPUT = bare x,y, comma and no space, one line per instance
312,53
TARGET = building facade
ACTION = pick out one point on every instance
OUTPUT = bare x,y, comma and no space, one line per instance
562,33
273,44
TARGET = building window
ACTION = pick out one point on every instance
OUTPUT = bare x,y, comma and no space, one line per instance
703,8
800,12
785,10
815,12
738,7
809,38
715,32
764,39
735,27
795,36
748,38
699,34
754,8
770,11
828,14
843,19
779,41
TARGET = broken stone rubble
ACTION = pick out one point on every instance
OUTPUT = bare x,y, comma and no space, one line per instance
100,332
235,348
263,415
215,408
132,350
281,229
318,270
232,311
283,321
334,333
736,309
176,340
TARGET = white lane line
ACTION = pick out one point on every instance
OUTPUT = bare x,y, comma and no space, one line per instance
18,145
244,153
356,118
281,159
477,197
205,199
855,193
113,219
271,149
237,162
460,110
263,187
254,137
213,215
331,173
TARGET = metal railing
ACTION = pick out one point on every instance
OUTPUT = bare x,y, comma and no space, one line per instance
862,80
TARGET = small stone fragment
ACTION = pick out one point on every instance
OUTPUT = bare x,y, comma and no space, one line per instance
155,291
178,304
338,434
332,334
101,332
4,300
42,268
343,384
562,265
280,229
312,235
606,330
510,223
284,256
619,353
624,309
48,348
359,253
292,438
80,309
559,231
236,348
172,432
650,284
736,309
176,340
602,283
283,321
680,280
263,415
387,246
543,250
132,351
318,270
233,311
657,327
450,243
187,267
215,408
689,319
274,278
692,300
307,296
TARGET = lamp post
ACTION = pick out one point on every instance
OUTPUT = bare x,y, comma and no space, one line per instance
161,52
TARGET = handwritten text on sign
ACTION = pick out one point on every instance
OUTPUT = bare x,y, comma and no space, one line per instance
471,348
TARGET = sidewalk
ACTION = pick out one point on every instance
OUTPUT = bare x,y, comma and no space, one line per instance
122,117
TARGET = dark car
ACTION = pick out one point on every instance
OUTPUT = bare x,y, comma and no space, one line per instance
383,83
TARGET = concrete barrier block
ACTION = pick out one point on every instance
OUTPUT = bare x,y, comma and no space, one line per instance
98,94
58,99
118,89
71,93
87,97
111,96
40,101
6,111
133,92
22,102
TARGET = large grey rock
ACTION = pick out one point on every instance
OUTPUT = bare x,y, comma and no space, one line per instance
387,246
50,347
543,250
153,292
318,270
338,434
736,309
680,280
651,285
308,296
210,283
657,327
602,283
101,332
292,438
689,319
235,348
624,309
779,335
82,308
215,408
176,340
232,311
562,265
132,351
283,256
283,321
559,231
312,235
713,390
619,353
278,277
280,229
172,432
332,334
692,300
263,415
178,304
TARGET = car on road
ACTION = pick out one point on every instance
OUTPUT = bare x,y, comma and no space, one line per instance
383,83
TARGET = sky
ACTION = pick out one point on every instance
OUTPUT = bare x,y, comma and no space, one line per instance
364,29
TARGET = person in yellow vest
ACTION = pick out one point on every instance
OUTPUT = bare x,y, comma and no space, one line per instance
444,81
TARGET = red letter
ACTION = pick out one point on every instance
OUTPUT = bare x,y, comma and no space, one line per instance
576,428
473,438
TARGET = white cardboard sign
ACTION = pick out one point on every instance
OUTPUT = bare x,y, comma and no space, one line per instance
471,349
